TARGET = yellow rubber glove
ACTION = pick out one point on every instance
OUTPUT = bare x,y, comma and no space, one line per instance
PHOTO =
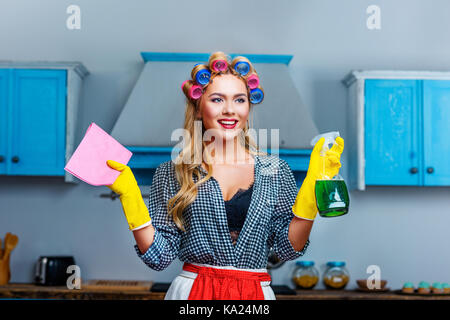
305,206
133,205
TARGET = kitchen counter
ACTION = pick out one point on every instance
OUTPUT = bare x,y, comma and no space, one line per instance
31,291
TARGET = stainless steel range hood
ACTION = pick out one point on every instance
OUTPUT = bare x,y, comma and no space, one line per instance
156,105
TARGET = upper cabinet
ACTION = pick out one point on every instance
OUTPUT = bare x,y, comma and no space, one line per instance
436,122
397,124
38,111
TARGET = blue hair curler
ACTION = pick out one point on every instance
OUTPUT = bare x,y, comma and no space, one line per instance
242,68
203,76
256,96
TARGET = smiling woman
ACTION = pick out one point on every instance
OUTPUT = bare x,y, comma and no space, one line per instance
223,214
211,214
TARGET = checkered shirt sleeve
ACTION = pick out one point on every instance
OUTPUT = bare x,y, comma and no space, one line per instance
165,246
283,215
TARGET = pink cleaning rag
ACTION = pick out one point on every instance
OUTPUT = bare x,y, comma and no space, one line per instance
88,162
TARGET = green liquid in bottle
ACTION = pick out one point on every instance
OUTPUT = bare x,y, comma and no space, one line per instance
332,197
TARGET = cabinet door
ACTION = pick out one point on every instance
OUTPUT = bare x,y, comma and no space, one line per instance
4,80
37,134
392,132
436,128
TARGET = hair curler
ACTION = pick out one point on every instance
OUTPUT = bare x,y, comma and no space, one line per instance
194,91
242,67
201,74
219,65
253,81
256,96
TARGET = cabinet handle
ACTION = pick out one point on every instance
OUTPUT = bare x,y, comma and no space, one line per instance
430,169
414,170
15,159
2,158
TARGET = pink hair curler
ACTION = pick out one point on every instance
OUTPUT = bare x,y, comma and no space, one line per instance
219,65
182,85
253,81
195,92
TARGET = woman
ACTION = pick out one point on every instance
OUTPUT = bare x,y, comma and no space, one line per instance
221,215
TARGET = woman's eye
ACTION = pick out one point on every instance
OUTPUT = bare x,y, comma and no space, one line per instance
240,100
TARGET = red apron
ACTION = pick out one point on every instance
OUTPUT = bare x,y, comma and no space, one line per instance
225,284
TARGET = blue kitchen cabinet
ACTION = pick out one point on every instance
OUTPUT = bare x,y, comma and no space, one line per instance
38,104
4,81
398,124
392,132
436,138
37,122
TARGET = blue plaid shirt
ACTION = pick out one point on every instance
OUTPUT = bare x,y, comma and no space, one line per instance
207,239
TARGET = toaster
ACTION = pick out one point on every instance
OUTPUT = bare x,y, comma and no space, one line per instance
52,271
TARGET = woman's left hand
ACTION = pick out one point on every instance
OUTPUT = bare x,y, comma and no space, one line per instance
305,204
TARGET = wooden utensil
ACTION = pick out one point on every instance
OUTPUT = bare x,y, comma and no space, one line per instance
11,241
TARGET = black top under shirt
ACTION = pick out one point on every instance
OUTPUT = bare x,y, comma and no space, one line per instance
236,209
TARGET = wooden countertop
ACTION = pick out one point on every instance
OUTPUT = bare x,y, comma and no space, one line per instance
31,291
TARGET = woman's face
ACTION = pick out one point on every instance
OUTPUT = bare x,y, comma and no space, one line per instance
224,106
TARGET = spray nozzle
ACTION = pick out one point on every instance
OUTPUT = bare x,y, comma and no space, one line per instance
330,138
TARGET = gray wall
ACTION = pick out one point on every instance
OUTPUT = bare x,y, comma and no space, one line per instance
403,230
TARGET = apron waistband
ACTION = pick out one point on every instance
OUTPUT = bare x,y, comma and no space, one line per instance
223,272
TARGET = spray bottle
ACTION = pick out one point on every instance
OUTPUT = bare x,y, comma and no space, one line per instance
332,197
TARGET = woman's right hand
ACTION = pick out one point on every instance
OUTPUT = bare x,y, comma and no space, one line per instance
133,205
125,182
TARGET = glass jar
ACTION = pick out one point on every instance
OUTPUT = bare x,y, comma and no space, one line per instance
305,275
336,275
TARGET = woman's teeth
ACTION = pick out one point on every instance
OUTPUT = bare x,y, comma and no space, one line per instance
228,124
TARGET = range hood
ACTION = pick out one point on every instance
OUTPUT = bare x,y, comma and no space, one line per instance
156,106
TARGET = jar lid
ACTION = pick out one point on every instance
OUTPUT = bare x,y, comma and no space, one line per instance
305,263
437,285
336,263
408,285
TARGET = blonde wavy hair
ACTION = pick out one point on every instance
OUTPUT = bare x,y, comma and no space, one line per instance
185,170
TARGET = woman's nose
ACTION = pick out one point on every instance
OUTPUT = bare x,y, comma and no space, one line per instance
228,107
